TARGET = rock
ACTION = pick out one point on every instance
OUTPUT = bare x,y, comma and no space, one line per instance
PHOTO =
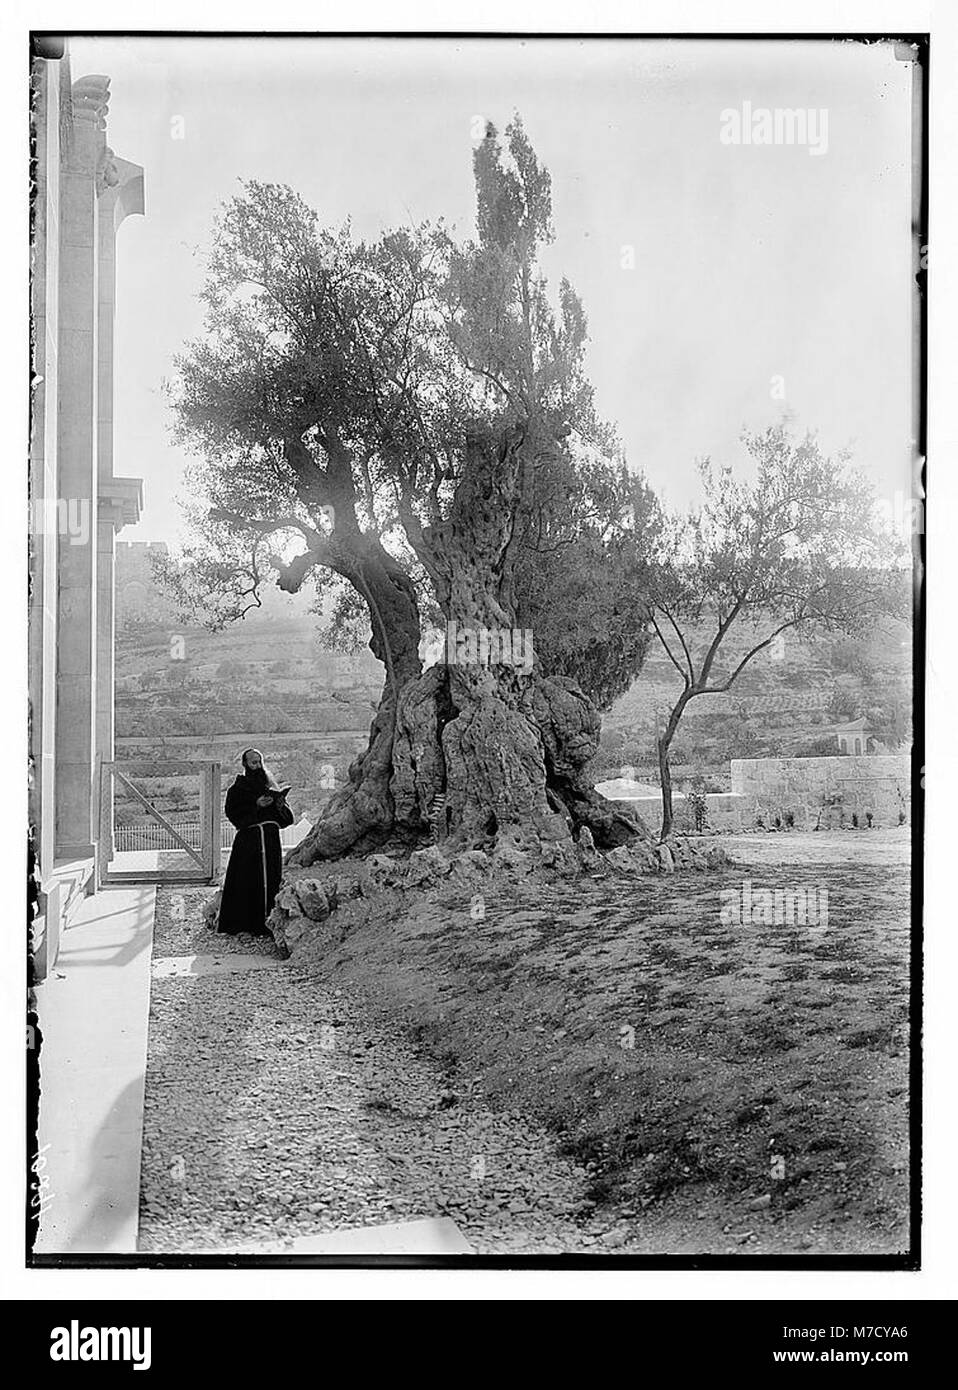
287,931
552,827
686,854
615,1237
380,866
426,865
760,1203
510,856
666,859
588,854
467,868
312,899
285,904
369,886
634,858
561,855
341,888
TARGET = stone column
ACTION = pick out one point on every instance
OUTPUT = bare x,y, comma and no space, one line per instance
98,191
77,481
118,499
119,504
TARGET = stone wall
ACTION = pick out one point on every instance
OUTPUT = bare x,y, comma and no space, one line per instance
828,792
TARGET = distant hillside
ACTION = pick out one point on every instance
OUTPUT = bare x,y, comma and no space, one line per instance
782,705
270,680
185,693
308,709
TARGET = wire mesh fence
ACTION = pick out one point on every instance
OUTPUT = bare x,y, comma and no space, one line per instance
128,838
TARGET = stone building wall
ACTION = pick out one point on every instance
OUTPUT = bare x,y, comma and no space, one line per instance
827,791
82,193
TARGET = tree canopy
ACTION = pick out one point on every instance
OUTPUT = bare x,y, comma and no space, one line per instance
337,390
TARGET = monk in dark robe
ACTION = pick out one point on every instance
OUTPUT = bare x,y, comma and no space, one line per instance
256,805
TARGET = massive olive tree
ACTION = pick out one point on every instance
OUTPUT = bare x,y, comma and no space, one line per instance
412,418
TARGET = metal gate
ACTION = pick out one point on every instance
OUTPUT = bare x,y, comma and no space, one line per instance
193,862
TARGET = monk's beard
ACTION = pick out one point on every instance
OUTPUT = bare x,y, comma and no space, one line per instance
258,777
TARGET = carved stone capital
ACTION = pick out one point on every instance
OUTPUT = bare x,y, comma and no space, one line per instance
91,97
120,501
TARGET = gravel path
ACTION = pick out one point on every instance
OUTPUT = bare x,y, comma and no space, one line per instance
276,1108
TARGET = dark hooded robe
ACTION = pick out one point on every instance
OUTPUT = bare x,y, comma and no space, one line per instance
256,858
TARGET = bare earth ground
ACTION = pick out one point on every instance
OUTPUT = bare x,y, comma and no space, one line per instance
600,1066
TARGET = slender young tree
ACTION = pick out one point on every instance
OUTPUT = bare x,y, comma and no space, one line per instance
797,548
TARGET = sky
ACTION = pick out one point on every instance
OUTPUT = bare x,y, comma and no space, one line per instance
723,282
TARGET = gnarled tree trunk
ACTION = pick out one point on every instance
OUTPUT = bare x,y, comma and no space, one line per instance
480,747
361,815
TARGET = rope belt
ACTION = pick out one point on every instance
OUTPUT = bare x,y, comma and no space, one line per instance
262,846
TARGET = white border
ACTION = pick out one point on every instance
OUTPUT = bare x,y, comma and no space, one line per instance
937,1280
